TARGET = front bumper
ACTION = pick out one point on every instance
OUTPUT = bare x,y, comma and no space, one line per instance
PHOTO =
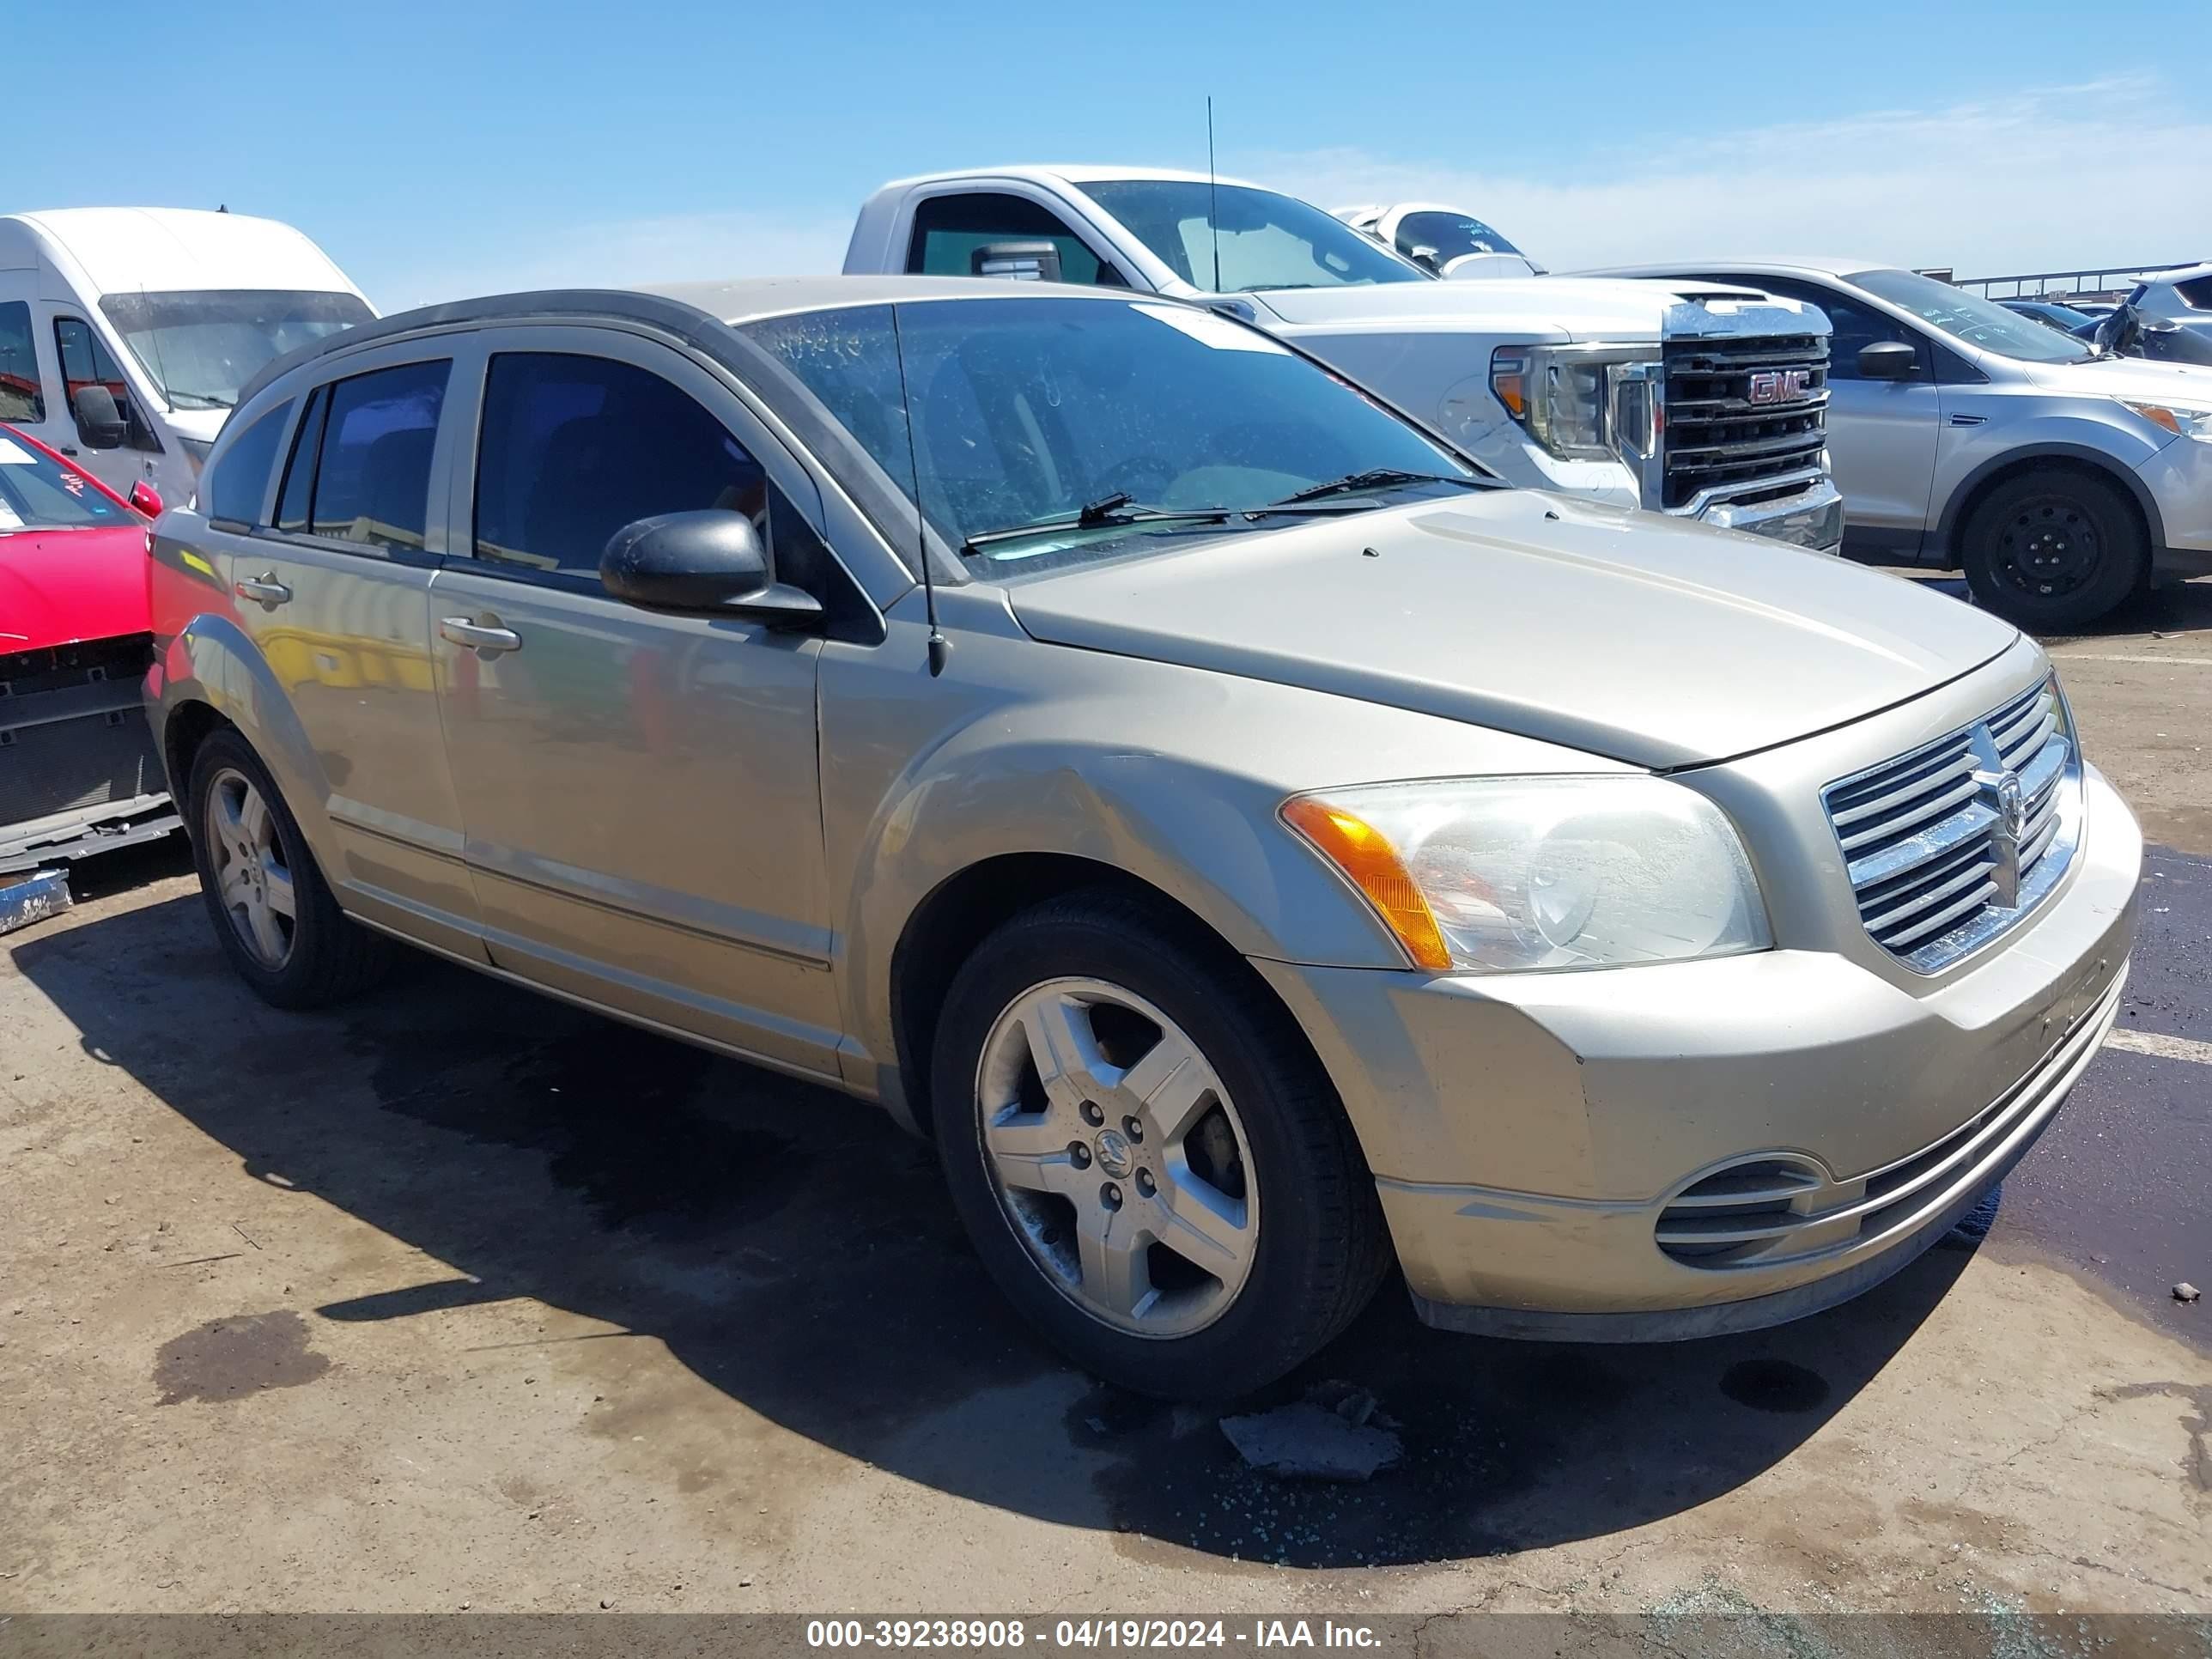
1528,1133
2179,479
1811,516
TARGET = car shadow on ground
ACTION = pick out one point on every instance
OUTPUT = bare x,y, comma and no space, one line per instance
2176,608
798,1252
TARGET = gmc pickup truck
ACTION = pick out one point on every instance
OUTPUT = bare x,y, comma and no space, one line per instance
1702,400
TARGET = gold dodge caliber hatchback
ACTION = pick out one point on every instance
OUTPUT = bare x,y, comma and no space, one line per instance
1255,847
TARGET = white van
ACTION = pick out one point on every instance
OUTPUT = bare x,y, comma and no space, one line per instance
125,333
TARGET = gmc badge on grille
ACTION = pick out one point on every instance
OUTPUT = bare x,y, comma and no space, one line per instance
1780,385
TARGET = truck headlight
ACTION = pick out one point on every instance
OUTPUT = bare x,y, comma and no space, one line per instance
1581,403
1513,874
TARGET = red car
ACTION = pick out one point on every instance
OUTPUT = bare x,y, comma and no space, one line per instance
78,773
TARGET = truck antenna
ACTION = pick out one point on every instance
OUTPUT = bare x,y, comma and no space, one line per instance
1212,196
939,648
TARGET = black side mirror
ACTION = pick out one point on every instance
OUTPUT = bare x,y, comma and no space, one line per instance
99,423
1026,262
1888,360
709,559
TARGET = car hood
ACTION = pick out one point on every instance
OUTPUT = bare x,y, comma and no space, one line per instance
1573,308
2126,377
1624,634
57,586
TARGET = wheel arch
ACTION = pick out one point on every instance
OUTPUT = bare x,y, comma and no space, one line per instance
957,915
1970,490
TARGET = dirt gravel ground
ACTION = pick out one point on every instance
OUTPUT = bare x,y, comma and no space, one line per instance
458,1299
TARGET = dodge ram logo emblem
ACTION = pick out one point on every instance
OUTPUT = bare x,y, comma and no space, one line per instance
1780,385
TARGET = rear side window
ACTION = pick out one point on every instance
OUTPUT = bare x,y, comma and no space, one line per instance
20,396
2196,294
573,448
949,230
240,483
371,481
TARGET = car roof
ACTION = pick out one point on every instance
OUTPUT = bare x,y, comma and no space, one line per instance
2184,274
1802,265
125,249
1076,173
698,313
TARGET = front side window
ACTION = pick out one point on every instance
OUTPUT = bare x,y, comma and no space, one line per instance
1028,410
572,448
1448,236
948,230
372,479
200,348
21,398
240,483
37,492
1968,318
1233,239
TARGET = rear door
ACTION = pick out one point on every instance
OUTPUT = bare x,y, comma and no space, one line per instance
332,584
640,792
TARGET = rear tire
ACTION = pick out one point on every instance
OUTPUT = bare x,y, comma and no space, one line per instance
273,913
2050,552
1229,1238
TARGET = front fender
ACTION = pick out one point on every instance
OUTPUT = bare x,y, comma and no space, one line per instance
2088,437
1172,775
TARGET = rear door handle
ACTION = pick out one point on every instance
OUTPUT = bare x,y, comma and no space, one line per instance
265,589
485,639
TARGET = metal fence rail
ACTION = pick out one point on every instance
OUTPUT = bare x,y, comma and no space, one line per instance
2051,283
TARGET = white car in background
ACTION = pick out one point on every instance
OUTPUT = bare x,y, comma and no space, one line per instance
1442,240
125,333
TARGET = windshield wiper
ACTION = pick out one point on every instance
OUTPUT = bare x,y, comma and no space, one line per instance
201,399
1108,511
1376,477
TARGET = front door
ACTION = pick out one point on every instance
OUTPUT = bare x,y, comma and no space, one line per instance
638,790
1881,433
331,578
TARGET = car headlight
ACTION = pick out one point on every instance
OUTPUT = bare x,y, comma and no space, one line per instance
196,451
1581,402
2180,419
1513,874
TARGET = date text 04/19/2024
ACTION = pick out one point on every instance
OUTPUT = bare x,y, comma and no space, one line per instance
1085,1634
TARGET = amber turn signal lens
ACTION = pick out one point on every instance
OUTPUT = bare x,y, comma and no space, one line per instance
1365,855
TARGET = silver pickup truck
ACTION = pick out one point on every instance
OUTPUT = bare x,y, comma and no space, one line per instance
1705,400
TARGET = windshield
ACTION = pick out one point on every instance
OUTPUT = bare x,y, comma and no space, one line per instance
1029,410
1449,236
1968,317
37,492
200,348
1265,241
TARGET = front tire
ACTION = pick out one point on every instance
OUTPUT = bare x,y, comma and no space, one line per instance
273,913
1146,1153
2051,552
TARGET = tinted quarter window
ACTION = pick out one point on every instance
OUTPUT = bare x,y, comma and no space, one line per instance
299,472
21,395
372,480
2196,294
573,448
242,480
948,230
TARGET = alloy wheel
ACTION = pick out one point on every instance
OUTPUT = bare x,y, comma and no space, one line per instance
253,874
1118,1158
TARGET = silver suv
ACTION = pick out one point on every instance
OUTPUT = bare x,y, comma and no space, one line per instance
1963,435
1251,844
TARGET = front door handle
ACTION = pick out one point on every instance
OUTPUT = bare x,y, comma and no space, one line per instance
485,639
265,589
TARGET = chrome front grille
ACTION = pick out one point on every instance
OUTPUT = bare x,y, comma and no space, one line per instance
1951,843
1742,413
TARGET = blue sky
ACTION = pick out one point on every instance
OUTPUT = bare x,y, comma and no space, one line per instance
436,149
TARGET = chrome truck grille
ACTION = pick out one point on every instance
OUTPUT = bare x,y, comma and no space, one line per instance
1742,414
1949,845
